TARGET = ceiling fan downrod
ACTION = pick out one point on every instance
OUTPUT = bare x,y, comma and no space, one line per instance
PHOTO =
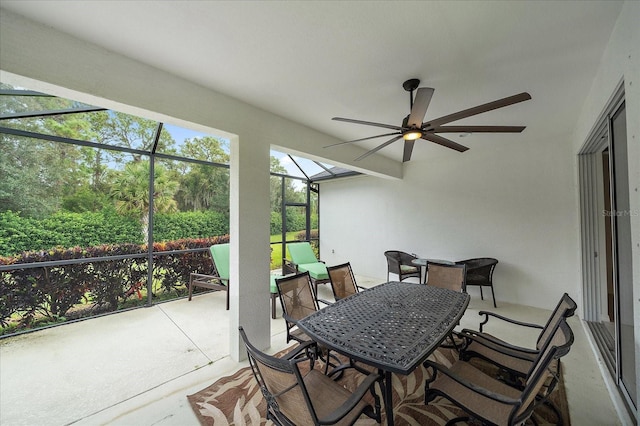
411,85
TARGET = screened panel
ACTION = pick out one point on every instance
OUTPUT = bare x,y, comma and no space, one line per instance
57,197
43,295
194,145
191,202
24,103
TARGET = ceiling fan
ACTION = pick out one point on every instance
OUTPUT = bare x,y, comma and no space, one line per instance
414,128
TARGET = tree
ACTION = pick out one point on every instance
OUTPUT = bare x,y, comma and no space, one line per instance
44,176
38,174
206,148
119,129
27,185
131,192
204,187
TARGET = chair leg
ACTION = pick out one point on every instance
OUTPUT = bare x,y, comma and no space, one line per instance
453,344
190,287
481,295
227,296
556,412
273,306
494,297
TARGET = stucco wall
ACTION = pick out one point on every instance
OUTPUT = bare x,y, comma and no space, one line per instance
512,201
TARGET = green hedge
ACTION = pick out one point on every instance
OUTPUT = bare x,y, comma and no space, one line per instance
295,222
175,226
276,223
50,293
19,234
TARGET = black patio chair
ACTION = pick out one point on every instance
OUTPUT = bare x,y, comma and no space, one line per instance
399,263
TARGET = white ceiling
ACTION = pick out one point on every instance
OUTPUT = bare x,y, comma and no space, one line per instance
310,61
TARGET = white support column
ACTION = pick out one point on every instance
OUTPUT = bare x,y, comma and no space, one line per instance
249,235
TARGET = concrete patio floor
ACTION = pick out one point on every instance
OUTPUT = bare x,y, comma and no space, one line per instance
137,367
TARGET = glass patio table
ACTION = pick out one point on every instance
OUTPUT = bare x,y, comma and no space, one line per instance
422,264
394,327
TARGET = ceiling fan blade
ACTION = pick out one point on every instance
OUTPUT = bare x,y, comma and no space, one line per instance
378,148
478,129
444,142
420,105
478,110
363,139
408,149
367,123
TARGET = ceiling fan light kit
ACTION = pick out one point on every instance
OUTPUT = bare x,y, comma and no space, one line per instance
412,135
413,128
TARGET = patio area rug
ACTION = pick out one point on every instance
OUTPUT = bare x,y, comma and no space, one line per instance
237,400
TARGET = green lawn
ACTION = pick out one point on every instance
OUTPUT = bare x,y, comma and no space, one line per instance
276,254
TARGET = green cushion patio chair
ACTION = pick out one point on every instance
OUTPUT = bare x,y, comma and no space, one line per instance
303,259
220,255
273,293
219,278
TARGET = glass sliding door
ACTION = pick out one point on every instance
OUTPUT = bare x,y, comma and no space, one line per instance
607,262
621,228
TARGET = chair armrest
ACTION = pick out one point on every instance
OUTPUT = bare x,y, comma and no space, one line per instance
406,259
208,276
497,345
288,267
326,302
352,401
300,348
488,314
469,385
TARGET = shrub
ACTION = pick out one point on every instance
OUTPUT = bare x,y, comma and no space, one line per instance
86,229
296,221
302,235
19,234
52,291
176,226
276,223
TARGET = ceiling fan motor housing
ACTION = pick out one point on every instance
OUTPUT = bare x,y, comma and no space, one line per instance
411,84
